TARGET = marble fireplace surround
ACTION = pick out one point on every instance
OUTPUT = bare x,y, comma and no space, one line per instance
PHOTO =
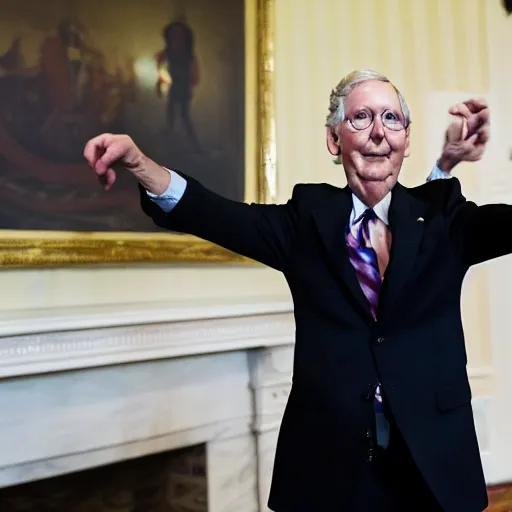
81,388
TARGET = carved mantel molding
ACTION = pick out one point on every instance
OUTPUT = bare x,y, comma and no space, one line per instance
52,341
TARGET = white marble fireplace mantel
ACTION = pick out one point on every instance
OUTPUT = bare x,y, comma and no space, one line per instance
56,340
85,387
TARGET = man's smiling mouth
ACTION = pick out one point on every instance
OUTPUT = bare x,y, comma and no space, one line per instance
376,155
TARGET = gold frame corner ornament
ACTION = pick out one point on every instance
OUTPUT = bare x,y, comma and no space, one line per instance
33,249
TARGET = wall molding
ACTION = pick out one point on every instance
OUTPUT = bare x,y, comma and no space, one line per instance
20,322
47,352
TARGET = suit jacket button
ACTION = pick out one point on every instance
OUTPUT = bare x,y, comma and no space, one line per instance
371,455
367,435
380,340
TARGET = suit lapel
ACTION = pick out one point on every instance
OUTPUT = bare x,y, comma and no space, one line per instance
407,226
331,221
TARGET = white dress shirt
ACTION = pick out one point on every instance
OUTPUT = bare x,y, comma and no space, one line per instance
381,209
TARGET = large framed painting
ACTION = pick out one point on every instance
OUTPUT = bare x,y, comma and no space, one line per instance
191,81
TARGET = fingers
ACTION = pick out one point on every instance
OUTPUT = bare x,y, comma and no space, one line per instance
95,148
476,104
104,165
102,153
468,107
461,109
479,122
106,151
469,150
483,135
471,145
476,113
108,179
457,130
470,141
111,154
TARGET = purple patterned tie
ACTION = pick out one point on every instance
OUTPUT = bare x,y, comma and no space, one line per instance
364,260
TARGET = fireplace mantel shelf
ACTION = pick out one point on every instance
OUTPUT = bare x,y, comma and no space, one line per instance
77,338
23,322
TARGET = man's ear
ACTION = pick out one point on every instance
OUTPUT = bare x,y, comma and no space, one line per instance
333,144
407,151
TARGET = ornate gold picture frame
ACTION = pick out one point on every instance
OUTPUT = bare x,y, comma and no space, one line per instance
50,248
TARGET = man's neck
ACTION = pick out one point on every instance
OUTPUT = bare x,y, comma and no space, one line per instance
372,193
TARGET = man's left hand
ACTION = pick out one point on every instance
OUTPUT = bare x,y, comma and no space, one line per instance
466,138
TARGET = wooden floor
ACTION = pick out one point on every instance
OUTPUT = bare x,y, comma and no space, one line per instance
500,498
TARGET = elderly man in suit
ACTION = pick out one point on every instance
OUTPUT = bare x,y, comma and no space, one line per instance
379,417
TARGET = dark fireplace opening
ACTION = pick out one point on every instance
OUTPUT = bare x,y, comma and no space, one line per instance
173,481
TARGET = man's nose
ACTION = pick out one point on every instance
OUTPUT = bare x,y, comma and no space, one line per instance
377,132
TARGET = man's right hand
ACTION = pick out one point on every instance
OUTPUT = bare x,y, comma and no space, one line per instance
107,152
467,136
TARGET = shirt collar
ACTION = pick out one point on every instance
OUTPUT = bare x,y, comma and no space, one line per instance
381,209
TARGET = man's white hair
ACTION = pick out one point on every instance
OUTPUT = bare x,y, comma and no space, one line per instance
346,86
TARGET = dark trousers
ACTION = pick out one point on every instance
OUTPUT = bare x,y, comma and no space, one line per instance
393,483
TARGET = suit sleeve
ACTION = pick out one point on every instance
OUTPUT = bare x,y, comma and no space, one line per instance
479,233
264,233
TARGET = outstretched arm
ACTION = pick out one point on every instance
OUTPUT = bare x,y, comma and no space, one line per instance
479,233
264,233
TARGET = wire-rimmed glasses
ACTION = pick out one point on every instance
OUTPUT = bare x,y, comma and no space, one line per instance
362,119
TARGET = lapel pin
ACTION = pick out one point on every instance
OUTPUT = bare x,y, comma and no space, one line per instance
420,219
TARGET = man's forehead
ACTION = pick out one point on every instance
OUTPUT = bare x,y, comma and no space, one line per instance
373,93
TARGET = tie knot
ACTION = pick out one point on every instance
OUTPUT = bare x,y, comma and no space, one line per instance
364,229
368,215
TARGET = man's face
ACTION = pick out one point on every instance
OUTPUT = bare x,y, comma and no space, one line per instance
372,157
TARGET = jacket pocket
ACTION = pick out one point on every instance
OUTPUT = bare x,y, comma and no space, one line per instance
453,395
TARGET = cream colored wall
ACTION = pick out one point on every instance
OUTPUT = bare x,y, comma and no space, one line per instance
33,289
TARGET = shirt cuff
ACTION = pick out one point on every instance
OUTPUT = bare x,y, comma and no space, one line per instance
170,198
438,174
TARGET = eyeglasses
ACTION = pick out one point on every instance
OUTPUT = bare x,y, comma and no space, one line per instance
364,118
